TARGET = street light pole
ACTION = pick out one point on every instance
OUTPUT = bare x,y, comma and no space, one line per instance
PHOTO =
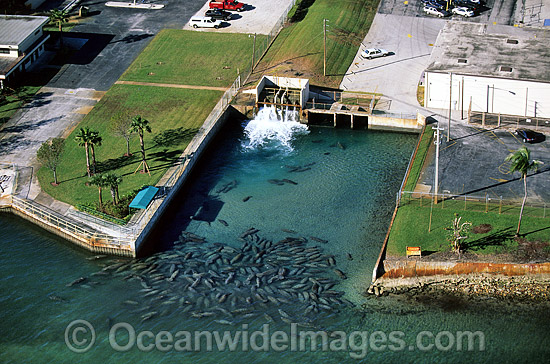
450,105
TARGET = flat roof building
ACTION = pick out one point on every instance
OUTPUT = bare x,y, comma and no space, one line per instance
499,69
21,43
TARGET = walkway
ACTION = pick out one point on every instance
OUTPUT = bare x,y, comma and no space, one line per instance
195,87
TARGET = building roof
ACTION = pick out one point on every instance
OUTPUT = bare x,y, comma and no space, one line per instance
492,51
14,29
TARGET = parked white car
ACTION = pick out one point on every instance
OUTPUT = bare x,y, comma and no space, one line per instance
432,10
464,11
371,53
204,22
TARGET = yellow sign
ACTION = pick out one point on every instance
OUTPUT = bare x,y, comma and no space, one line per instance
414,251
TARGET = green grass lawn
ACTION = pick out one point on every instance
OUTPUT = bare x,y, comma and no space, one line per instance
193,58
419,158
299,47
410,228
175,115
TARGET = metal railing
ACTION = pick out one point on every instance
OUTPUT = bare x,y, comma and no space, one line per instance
48,217
179,168
471,203
507,121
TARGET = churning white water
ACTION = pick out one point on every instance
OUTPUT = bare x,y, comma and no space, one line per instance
273,128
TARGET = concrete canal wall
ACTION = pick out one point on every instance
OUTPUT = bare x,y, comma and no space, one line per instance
195,149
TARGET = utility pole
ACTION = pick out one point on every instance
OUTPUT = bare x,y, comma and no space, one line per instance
324,47
450,105
436,177
253,52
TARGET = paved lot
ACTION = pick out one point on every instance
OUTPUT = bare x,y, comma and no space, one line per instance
397,76
499,11
473,163
410,33
114,37
259,17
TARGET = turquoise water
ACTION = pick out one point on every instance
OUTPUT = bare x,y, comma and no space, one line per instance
342,192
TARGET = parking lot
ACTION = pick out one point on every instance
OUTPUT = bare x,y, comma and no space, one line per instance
258,17
473,163
499,11
403,28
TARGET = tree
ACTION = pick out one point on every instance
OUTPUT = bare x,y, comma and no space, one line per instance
459,233
95,140
58,17
141,125
120,126
99,181
49,155
113,181
520,161
83,138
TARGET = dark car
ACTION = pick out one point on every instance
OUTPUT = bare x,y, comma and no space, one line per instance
530,136
476,7
218,14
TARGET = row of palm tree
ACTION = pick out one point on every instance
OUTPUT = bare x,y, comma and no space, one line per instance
89,139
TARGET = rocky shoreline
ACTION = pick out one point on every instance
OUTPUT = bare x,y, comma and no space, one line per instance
520,289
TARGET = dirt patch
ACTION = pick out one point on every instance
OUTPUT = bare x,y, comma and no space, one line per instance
482,229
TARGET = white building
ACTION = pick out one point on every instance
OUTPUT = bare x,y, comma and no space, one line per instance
498,69
21,43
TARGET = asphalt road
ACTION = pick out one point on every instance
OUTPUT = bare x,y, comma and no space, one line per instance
113,39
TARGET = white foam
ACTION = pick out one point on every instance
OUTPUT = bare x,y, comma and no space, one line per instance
273,128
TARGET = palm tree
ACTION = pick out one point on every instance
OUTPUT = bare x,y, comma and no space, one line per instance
140,125
113,181
59,17
83,138
95,140
521,162
100,182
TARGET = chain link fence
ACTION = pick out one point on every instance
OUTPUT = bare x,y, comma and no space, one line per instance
471,203
491,120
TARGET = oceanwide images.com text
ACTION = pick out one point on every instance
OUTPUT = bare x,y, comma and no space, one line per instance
80,337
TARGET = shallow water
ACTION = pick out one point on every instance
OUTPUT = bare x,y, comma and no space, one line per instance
343,192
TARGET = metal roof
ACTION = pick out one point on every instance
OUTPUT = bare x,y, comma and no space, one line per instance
492,51
142,199
14,29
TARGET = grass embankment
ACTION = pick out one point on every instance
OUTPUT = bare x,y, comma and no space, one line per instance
419,158
193,58
175,115
411,226
298,50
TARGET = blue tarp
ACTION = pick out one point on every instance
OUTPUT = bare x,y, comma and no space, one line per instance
547,22
142,199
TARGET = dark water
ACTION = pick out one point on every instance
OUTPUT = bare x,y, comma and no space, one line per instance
343,193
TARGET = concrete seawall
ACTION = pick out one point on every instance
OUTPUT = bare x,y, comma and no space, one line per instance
403,268
189,165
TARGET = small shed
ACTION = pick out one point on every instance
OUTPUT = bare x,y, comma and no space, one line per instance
144,197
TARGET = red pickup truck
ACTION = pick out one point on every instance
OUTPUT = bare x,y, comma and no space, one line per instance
227,5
